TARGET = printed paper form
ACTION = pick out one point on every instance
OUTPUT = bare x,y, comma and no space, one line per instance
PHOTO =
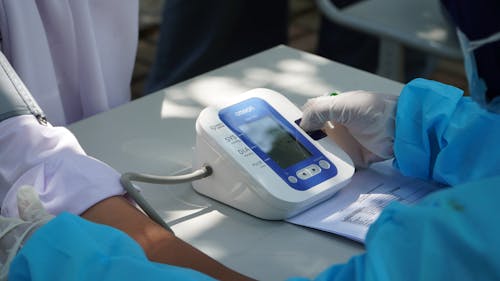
355,207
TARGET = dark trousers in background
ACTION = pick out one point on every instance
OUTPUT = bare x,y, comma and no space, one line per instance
198,36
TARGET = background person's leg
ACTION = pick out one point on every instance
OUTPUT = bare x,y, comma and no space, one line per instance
198,36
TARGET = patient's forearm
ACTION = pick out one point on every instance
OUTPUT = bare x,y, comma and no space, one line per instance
159,244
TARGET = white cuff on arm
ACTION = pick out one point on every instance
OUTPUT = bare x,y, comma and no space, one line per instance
51,159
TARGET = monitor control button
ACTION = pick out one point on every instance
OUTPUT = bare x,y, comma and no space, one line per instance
292,179
314,169
304,174
324,164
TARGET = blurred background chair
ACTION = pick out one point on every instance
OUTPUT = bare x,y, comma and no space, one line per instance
418,24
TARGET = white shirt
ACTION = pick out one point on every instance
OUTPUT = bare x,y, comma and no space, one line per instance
75,56
51,160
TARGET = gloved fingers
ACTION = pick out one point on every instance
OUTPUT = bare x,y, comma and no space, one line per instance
367,117
315,113
12,233
341,109
8,224
360,156
370,118
346,108
30,207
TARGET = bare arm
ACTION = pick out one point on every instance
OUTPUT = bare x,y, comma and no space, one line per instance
159,244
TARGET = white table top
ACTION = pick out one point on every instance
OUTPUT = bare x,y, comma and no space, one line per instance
156,133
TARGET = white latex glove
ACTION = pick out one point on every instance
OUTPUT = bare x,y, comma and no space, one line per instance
14,231
363,123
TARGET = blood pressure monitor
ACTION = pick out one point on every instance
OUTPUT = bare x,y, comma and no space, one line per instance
263,163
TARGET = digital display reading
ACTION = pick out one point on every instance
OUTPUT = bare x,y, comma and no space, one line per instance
275,141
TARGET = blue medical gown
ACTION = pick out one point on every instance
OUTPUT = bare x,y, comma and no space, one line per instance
452,234
443,136
71,248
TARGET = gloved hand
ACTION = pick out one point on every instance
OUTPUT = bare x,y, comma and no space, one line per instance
14,231
363,123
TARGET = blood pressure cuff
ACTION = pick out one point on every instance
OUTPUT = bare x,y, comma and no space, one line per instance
15,98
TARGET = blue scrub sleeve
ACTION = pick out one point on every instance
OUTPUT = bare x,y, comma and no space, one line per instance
450,235
443,136
71,248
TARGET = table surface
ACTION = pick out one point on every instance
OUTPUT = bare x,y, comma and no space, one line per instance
156,134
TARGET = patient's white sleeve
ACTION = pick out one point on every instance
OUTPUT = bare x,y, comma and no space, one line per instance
50,159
